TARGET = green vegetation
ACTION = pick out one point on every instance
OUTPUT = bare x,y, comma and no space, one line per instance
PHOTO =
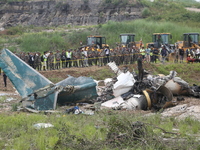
59,39
104,130
188,72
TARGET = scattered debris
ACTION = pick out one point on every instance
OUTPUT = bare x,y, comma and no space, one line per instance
125,91
74,110
181,112
42,125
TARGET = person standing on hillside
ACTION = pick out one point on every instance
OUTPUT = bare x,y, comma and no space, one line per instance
5,79
96,57
31,59
51,61
39,62
27,57
164,54
75,58
85,56
148,50
58,58
142,52
80,57
89,52
176,53
107,54
181,53
36,56
101,57
155,54
63,58
44,61
68,58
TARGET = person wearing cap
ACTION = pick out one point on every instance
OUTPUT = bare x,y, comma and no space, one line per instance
36,62
148,57
58,58
95,53
44,63
31,60
133,52
39,62
85,57
111,55
155,54
126,56
101,57
118,53
142,52
63,58
75,58
121,55
164,54
176,52
51,61
90,56
80,57
181,54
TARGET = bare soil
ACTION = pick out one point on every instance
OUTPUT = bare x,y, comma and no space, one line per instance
193,9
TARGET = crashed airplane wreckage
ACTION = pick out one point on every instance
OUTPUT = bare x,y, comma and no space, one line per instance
38,92
125,91
144,91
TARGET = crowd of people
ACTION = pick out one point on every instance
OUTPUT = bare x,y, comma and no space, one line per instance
90,56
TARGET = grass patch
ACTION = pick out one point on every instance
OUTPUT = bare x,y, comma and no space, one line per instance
104,130
3,99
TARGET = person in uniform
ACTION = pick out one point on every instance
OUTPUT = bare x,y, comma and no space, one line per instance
57,58
63,58
95,53
126,56
5,79
31,60
26,57
90,56
101,57
39,62
75,58
51,61
36,56
80,57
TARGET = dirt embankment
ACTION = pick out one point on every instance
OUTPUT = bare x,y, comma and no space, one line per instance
193,9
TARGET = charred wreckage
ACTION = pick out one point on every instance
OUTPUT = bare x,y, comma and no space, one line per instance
128,90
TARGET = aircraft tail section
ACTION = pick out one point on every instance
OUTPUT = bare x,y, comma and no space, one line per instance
25,79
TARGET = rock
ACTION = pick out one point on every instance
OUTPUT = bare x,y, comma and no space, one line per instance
69,12
181,112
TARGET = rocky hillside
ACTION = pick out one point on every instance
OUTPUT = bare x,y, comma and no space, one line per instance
69,12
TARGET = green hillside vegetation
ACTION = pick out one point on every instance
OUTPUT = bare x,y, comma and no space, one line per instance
42,41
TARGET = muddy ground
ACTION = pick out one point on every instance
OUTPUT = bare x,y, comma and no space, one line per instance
76,72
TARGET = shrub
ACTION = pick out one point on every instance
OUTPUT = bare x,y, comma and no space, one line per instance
146,12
